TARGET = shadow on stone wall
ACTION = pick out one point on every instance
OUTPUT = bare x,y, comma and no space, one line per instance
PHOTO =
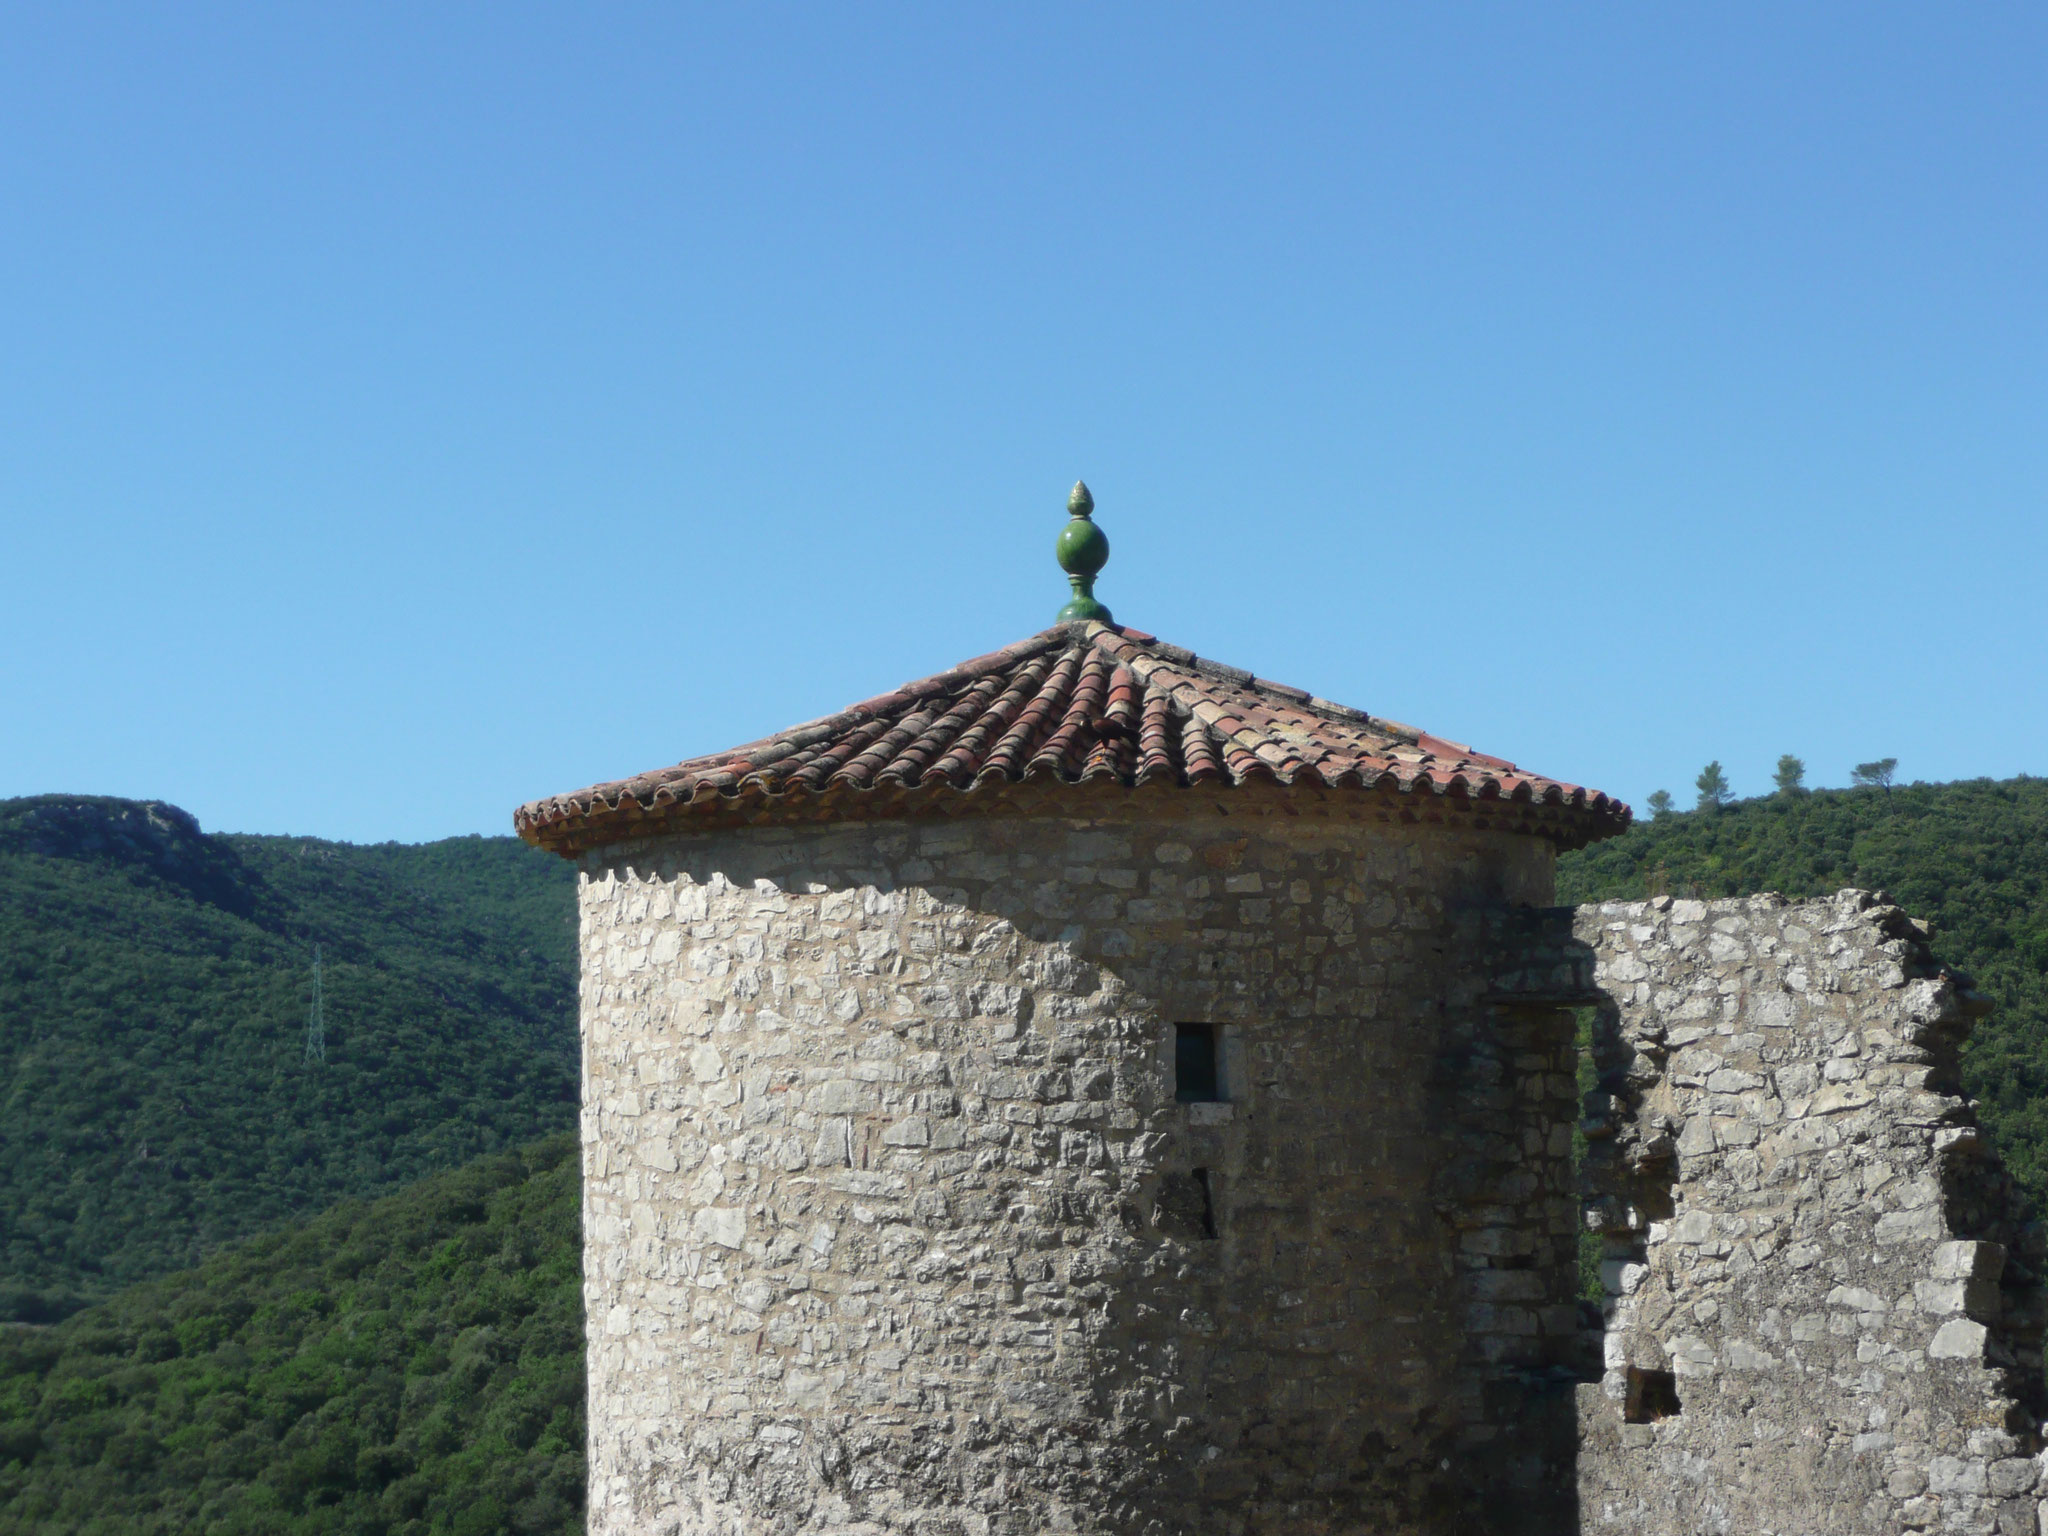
1534,974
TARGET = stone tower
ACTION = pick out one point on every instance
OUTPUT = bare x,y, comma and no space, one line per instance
1069,1093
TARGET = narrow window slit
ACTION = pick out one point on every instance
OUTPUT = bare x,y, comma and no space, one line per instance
1197,1067
1208,1203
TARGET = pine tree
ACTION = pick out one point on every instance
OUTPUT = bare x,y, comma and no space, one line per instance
1660,803
1791,775
1713,787
1877,775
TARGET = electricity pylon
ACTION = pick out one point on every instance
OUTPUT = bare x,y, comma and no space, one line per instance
316,1018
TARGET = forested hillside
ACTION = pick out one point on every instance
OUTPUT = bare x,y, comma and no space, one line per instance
156,1099
1970,858
401,1368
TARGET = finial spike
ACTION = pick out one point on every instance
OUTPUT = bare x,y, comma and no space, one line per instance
1083,550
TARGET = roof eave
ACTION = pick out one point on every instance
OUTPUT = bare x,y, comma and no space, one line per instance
573,831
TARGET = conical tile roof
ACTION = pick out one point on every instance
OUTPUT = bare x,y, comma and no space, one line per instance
1080,704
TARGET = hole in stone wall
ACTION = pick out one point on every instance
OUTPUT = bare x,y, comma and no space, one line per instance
1652,1395
1197,1063
1186,1207
1654,1198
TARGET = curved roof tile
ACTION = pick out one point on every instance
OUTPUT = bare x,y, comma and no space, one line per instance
1074,704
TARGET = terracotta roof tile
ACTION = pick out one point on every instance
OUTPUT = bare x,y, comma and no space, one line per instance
1075,704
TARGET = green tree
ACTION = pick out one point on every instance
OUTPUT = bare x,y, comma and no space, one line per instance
1791,775
1713,787
1660,802
1877,775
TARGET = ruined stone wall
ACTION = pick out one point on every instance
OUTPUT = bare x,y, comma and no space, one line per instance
1823,1310
893,1223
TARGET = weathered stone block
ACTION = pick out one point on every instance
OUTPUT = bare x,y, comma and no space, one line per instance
1958,1339
1968,1261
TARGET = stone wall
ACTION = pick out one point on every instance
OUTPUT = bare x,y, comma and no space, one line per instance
1823,1310
893,1223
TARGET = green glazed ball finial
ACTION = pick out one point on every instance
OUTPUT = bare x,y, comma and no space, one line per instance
1083,550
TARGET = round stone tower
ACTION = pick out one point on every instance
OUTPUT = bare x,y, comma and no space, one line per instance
1068,1093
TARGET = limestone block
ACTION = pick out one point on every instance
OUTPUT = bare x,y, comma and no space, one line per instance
1968,1261
1952,1474
1915,1226
2012,1475
1958,1339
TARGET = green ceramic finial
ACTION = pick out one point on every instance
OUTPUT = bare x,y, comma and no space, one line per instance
1083,550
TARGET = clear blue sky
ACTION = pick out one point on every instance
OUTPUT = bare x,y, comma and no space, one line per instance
408,411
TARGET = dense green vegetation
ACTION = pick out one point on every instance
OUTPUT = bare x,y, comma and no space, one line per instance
155,1099
1969,858
412,1367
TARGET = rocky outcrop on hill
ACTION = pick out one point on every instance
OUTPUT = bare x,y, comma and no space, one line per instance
150,837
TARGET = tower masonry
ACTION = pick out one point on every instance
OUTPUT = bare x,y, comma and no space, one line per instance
1097,1090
